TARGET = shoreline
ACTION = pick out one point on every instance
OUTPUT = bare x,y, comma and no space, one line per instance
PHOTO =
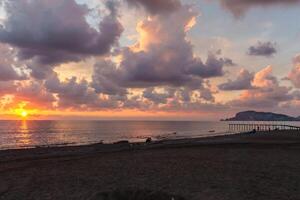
259,138
245,166
102,142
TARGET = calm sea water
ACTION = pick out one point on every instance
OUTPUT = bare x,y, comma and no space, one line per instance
27,134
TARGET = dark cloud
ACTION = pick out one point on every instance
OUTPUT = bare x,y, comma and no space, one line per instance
163,57
107,78
78,95
239,7
207,95
266,49
213,67
140,72
40,71
9,66
242,82
8,73
51,32
158,98
71,93
156,6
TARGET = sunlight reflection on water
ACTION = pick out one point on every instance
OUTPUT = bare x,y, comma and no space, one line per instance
25,134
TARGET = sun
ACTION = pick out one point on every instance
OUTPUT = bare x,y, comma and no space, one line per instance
24,114
21,112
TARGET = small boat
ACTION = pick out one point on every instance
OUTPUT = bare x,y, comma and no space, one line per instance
212,131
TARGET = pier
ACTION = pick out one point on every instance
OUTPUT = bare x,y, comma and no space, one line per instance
246,127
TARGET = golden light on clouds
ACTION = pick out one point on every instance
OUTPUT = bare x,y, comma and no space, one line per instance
149,34
81,70
190,24
264,78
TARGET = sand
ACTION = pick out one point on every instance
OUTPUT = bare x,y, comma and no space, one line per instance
263,166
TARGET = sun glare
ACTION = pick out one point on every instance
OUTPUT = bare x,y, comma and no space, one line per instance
24,114
21,112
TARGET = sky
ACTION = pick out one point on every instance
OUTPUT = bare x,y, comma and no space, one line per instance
148,59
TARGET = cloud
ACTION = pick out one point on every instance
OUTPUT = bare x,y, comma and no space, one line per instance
294,75
160,72
162,57
77,94
162,64
7,87
239,7
296,95
35,94
158,98
207,94
268,93
107,77
71,93
195,107
266,49
156,6
242,82
8,73
53,32
8,66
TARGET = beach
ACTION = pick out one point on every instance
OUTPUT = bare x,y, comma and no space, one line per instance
243,166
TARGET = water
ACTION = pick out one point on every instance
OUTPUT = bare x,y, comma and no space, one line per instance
27,134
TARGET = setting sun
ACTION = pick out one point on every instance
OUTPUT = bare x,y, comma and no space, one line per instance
24,114
21,113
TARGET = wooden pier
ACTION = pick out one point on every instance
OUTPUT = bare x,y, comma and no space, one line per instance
246,127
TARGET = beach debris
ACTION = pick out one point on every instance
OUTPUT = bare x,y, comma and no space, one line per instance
122,142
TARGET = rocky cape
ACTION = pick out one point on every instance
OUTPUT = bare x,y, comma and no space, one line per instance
261,116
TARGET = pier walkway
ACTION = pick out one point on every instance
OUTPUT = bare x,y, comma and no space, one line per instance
246,127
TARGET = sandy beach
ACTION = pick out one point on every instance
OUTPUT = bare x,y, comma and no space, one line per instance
258,166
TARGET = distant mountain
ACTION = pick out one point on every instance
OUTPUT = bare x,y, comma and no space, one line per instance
261,116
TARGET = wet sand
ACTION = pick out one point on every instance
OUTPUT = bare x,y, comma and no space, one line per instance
260,166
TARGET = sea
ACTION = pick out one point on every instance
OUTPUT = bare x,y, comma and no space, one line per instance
30,134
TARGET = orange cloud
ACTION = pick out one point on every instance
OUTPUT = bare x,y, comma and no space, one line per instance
264,78
294,75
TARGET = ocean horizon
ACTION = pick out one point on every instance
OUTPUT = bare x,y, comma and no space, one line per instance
16,134
20,134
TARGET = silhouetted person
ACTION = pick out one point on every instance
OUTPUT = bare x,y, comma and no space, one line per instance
148,140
